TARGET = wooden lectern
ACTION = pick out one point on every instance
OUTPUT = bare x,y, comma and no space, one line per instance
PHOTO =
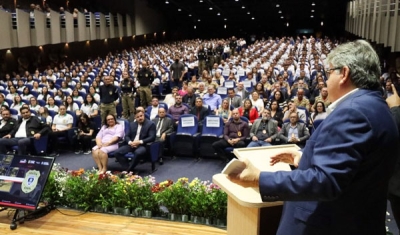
247,213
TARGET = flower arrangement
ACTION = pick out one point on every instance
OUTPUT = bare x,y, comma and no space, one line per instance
89,190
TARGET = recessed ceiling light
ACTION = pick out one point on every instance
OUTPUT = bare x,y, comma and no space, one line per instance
225,19
190,15
198,20
252,18
248,13
243,7
312,4
312,16
166,2
201,0
210,8
322,23
312,10
280,12
277,5
225,26
218,14
195,27
237,0
287,24
179,9
282,17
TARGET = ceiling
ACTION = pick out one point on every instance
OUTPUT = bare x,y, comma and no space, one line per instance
272,17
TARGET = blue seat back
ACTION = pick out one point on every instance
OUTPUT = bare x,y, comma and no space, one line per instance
188,124
213,125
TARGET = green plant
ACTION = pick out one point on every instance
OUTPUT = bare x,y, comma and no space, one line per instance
176,197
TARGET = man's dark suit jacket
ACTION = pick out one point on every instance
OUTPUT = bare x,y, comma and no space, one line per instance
166,127
394,183
147,133
203,112
185,99
8,127
340,185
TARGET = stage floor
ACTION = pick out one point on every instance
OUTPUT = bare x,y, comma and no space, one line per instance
74,222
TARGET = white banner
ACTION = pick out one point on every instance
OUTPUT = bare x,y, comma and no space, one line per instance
213,121
187,121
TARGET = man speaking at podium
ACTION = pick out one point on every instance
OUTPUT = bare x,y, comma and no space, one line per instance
340,186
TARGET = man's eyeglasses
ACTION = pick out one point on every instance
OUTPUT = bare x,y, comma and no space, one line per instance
330,70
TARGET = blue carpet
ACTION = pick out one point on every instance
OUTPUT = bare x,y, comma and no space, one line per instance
171,169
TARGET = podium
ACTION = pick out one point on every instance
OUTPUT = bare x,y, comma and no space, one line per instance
247,213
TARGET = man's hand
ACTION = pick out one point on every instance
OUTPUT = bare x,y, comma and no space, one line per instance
7,136
37,136
394,100
254,138
250,173
269,140
290,157
162,137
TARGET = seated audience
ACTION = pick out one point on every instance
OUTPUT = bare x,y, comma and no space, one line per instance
44,112
294,132
235,133
276,113
200,111
141,132
27,126
85,134
263,131
190,97
211,99
89,107
7,123
280,99
224,111
177,110
62,123
248,111
107,141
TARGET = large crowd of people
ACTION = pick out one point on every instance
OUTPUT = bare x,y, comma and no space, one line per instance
280,80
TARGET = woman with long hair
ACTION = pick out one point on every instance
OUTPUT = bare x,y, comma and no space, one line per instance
76,96
26,93
320,112
278,96
224,111
89,107
44,112
86,130
17,103
107,141
276,112
45,94
33,104
51,105
248,111
95,95
59,95
70,105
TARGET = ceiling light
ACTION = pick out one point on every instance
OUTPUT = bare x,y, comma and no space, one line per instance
252,18
280,12
237,0
225,26
190,15
287,24
225,19
312,16
322,23
201,0
282,17
218,14
166,2
179,9
312,10
277,5
243,7
210,8
195,27
248,13
312,4
198,20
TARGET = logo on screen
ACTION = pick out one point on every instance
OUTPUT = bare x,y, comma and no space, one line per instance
30,181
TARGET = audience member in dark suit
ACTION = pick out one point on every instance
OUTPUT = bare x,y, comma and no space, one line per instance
394,183
164,126
241,91
27,127
141,132
200,111
234,100
7,123
263,131
294,132
190,97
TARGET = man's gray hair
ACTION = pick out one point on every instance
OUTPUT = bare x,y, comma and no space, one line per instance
361,59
